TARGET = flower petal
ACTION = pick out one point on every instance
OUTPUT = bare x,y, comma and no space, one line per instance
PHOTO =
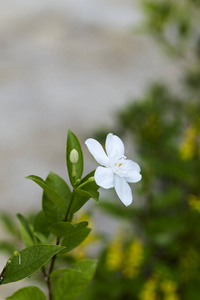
133,171
97,151
104,177
114,146
123,190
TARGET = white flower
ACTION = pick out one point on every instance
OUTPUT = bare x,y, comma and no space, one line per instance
117,171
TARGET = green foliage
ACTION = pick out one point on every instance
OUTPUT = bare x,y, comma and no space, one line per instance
50,232
27,293
157,255
75,237
26,231
83,194
51,194
73,143
28,261
74,234
68,284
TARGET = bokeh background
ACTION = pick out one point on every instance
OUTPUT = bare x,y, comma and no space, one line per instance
128,67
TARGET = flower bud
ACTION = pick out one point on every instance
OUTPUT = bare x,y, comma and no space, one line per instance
73,157
16,253
91,179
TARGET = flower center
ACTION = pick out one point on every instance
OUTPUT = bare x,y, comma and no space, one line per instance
119,167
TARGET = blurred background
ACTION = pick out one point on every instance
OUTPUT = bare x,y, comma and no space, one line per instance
128,67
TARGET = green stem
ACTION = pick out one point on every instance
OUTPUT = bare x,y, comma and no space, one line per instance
47,275
91,179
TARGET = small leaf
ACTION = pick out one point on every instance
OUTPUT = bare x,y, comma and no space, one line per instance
32,259
87,194
68,284
73,143
75,237
51,211
26,231
60,186
81,196
64,229
40,223
51,193
28,293
41,237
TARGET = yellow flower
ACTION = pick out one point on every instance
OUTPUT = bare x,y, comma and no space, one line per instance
169,289
194,202
187,149
149,289
114,255
133,258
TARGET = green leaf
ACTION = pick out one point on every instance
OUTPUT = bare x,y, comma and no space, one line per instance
41,237
40,223
87,191
68,284
73,143
60,186
51,193
28,293
64,229
51,211
75,237
31,258
87,194
26,231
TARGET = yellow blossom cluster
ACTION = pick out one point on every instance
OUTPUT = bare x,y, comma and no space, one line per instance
187,148
133,258
114,255
194,202
127,259
156,285
169,289
149,289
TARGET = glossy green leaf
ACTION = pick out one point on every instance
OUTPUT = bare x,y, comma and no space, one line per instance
73,143
28,261
28,293
75,237
68,284
51,193
64,229
87,191
51,211
87,194
26,231
41,224
60,186
40,237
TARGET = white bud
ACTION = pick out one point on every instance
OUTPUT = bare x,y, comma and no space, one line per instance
73,157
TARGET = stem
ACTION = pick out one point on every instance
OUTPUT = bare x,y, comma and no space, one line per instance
49,272
91,179
47,275
69,207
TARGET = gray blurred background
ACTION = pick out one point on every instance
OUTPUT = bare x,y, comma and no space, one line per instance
65,64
